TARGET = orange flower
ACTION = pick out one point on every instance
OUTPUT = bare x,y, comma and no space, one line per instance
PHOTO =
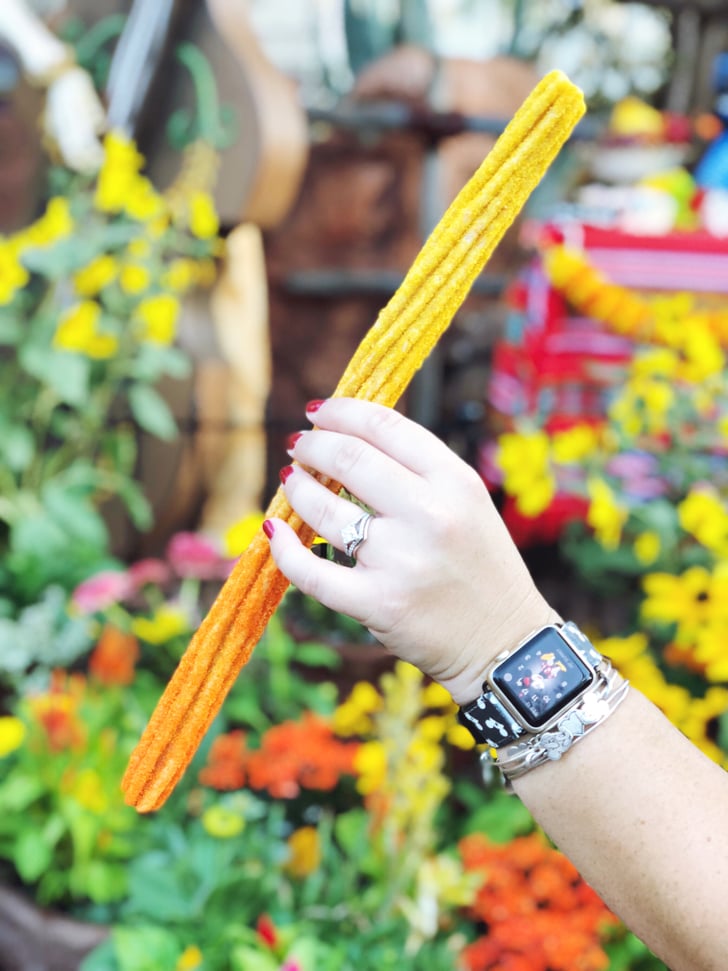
112,660
541,915
300,754
57,714
225,767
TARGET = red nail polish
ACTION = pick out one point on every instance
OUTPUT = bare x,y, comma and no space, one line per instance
285,472
313,406
268,528
291,441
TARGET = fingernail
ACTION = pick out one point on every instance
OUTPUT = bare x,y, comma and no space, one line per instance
285,472
313,406
291,441
268,528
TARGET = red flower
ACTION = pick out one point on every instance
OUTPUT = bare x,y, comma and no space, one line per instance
225,767
267,931
112,660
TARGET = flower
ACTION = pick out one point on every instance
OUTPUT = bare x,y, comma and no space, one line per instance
149,571
295,755
222,822
524,462
681,600
304,848
605,515
157,317
57,713
353,716
12,735
134,278
167,622
96,275
267,931
540,913
113,659
240,535
647,547
120,167
13,275
190,959
703,514
78,331
102,590
88,790
203,219
225,768
194,555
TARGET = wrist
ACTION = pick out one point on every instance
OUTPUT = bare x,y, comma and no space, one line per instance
535,612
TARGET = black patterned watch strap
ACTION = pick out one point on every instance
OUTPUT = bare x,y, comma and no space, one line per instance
488,721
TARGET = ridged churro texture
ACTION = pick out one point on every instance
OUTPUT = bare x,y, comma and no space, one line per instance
404,334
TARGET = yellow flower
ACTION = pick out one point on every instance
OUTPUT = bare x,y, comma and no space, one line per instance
459,737
180,275
134,278
139,249
703,515
240,535
353,716
121,165
98,274
158,316
433,727
304,848
681,600
77,331
370,763
203,219
647,547
222,823
166,622
13,275
88,791
191,958
605,515
12,735
142,202
574,444
524,461
435,696
55,224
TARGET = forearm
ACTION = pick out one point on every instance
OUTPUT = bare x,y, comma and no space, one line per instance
642,815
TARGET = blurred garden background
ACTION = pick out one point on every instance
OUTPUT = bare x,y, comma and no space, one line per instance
203,207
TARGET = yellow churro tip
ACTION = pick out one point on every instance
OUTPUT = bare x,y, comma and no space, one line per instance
380,370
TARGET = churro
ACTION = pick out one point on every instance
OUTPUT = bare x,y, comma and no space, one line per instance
404,334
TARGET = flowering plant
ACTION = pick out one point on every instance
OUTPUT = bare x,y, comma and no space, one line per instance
89,303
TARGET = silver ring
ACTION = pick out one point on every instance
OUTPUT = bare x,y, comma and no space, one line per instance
355,533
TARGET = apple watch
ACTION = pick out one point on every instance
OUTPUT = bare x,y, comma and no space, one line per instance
540,697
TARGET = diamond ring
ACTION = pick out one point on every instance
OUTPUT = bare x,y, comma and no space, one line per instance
354,534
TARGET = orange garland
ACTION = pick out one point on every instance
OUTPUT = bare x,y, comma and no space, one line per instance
380,370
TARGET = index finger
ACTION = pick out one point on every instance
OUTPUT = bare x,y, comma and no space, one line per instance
398,437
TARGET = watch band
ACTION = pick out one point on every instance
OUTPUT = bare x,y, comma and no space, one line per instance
594,707
489,721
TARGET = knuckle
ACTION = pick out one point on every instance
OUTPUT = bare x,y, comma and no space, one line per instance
382,421
347,457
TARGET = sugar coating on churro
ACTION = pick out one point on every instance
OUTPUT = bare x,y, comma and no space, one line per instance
380,370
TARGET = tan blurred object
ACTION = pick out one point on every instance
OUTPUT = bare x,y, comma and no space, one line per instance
492,88
239,306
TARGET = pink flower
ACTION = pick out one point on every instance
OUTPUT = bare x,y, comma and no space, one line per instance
290,965
101,590
194,555
149,571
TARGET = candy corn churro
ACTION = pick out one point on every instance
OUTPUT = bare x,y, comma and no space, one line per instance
404,334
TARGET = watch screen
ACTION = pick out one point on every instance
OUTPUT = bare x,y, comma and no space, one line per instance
542,677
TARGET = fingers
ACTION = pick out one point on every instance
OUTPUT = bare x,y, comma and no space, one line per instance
373,477
324,512
403,440
337,587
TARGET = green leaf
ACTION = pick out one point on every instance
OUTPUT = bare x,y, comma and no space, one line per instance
152,412
66,373
75,514
17,792
17,446
137,504
10,331
31,856
244,958
500,817
145,948
102,958
316,655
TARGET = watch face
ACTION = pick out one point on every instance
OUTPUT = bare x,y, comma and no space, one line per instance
542,677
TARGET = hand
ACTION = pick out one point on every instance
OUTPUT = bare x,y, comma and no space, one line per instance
438,580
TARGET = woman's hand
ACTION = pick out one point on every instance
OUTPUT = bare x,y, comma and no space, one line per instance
438,579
